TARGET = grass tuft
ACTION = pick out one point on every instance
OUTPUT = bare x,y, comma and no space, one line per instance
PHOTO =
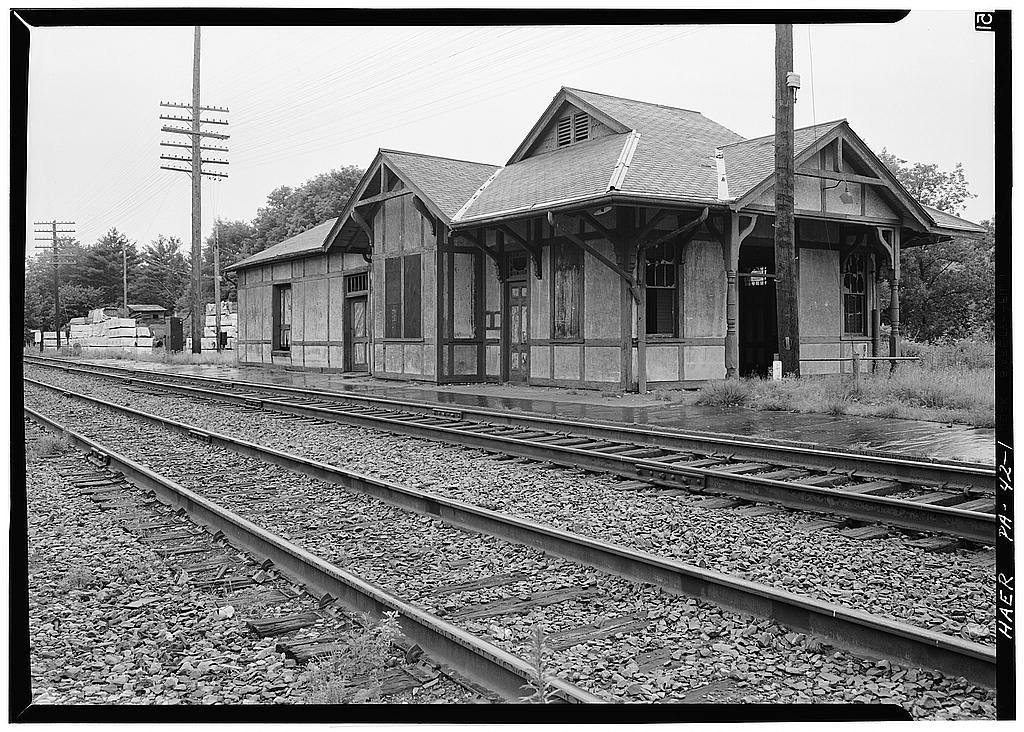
731,393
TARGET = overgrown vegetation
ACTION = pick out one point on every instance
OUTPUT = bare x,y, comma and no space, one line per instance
354,673
45,446
953,382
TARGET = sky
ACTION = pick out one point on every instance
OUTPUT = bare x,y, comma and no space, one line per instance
305,100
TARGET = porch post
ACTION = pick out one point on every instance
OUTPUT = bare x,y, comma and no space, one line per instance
641,320
894,299
732,265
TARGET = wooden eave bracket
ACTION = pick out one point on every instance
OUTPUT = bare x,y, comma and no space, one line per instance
891,249
425,212
720,235
491,254
686,231
533,250
557,224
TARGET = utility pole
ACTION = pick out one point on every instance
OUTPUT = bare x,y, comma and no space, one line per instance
786,273
216,282
58,258
124,274
195,170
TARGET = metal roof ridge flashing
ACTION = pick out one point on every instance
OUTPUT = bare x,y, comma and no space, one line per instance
723,179
465,207
625,158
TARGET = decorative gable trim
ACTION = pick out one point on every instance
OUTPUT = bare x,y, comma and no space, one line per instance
849,137
723,178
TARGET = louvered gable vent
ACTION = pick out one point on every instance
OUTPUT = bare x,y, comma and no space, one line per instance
575,128
564,131
580,126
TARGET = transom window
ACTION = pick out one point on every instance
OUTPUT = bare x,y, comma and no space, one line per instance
854,294
662,279
575,128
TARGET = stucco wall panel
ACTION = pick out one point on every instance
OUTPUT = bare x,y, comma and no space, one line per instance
820,305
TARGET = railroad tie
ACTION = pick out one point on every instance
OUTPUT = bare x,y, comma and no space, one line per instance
865,533
983,505
264,627
522,604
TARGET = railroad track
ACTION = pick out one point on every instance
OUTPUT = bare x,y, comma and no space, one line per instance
114,475
845,628
955,499
303,624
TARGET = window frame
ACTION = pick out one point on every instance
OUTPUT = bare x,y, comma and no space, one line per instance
281,332
409,309
673,263
850,295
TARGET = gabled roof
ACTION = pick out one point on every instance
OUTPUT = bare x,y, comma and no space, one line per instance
749,162
665,153
309,241
446,182
442,184
576,172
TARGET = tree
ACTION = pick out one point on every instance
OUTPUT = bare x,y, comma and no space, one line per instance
101,267
234,241
164,274
947,289
291,211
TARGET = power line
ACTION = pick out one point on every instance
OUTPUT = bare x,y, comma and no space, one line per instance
56,242
195,170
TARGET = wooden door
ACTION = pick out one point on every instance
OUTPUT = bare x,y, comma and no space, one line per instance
518,341
357,342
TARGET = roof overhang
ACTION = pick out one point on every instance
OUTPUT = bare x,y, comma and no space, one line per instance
346,230
893,187
595,201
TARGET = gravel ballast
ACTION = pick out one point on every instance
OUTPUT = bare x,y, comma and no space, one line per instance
683,646
112,622
951,593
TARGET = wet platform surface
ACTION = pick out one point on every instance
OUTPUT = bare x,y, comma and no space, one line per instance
844,432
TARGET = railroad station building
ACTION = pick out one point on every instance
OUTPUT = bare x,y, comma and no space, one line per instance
621,238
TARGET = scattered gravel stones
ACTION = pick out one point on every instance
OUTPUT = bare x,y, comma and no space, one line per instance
679,647
111,622
951,593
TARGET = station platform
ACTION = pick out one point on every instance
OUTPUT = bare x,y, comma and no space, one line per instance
843,432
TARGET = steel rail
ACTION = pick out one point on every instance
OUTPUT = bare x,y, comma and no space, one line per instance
867,463
843,627
974,526
474,657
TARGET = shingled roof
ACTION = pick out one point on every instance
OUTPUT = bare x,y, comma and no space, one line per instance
449,183
308,242
749,162
673,157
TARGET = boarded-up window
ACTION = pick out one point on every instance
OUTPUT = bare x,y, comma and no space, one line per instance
412,295
568,277
393,297
402,293
854,294
464,302
662,280
281,337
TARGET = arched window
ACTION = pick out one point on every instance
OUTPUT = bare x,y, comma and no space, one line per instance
855,294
